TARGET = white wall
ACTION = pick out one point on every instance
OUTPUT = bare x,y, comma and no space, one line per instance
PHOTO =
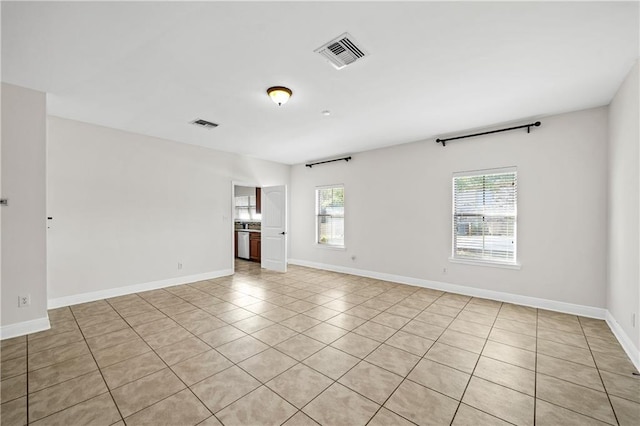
127,208
398,209
623,293
24,219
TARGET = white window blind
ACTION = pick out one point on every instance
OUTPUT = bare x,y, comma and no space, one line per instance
330,216
484,215
246,207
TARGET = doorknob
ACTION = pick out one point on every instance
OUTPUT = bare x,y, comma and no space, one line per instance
282,233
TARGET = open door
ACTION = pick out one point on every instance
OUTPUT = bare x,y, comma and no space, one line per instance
274,228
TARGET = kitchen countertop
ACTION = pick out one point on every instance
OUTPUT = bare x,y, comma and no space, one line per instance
248,230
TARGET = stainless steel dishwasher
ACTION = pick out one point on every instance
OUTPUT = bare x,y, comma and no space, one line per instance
243,244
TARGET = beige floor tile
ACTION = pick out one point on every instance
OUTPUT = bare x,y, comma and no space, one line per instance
510,354
570,371
422,329
332,362
14,413
148,328
390,320
144,318
567,326
487,320
385,417
146,391
253,324
274,334
339,406
177,309
472,328
220,390
614,364
132,369
167,337
184,349
325,333
453,357
508,375
300,323
111,339
57,355
56,328
182,408
356,345
300,346
268,364
321,313
627,387
260,407
375,331
461,340
435,319
339,305
440,309
222,336
518,340
410,342
362,312
242,348
440,378
60,314
515,326
13,351
553,415
348,322
393,359
403,311
54,374
499,401
200,367
577,398
66,394
299,385
371,381
469,416
13,388
95,411
104,327
421,405
606,347
627,412
54,341
203,325
114,354
211,421
571,339
566,352
261,307
13,367
300,419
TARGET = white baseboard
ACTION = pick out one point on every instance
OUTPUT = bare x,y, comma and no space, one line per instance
136,288
535,302
627,344
24,327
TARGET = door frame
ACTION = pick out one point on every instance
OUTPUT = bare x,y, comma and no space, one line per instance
235,183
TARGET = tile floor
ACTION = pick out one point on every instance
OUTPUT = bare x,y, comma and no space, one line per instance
314,347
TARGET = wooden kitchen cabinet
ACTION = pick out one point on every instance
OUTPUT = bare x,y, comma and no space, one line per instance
235,243
255,249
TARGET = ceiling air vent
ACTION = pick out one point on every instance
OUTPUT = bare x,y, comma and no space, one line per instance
204,123
342,51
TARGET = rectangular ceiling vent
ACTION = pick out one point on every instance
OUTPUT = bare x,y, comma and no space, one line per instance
342,51
204,123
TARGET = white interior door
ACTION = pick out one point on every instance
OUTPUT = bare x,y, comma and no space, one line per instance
274,228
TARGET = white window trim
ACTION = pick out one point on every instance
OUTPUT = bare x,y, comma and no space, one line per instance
317,244
515,264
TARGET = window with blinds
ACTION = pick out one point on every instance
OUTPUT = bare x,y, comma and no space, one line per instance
246,208
330,215
484,216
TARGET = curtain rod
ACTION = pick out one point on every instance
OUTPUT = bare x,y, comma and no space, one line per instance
310,165
528,126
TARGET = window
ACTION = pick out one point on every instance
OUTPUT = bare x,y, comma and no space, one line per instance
246,208
484,216
330,216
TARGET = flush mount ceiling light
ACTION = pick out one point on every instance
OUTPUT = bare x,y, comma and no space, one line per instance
279,94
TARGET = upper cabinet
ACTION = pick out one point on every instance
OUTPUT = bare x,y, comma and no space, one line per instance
258,201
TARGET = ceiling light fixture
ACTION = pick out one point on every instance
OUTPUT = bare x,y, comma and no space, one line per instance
279,94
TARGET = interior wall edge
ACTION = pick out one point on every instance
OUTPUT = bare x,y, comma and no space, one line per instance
624,340
24,327
75,299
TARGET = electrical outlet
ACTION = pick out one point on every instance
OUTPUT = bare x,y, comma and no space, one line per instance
179,265
444,270
24,301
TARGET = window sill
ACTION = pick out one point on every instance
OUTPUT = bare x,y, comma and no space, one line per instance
328,247
486,263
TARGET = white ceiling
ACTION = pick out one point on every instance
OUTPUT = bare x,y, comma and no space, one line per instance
434,68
